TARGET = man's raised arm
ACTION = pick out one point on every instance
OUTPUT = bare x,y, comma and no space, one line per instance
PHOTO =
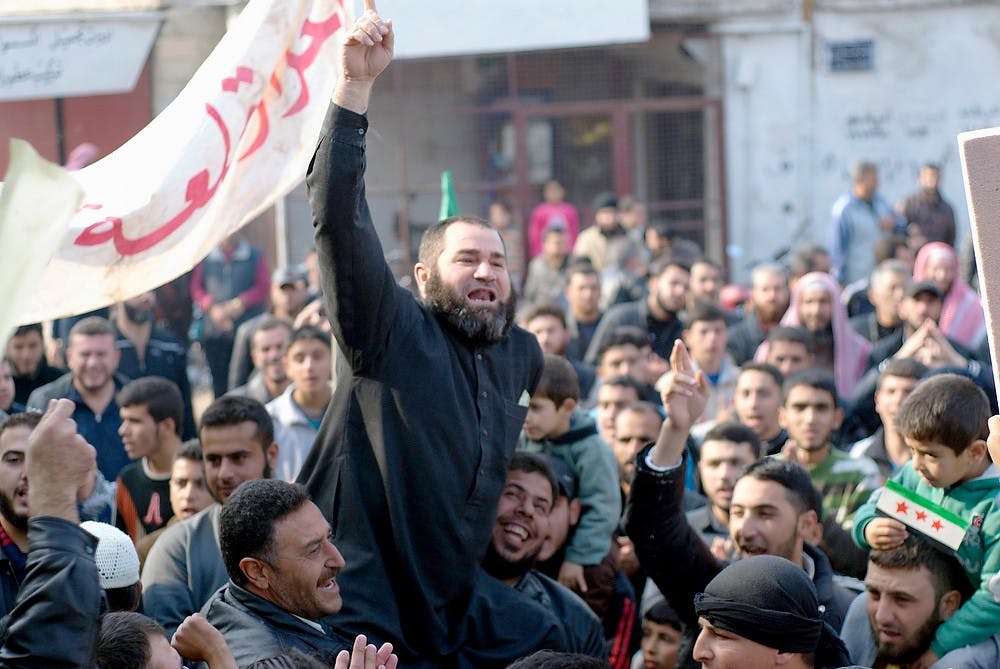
357,284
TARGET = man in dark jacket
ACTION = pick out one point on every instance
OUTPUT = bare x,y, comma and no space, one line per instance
412,454
520,531
282,575
92,383
658,315
773,511
55,621
26,350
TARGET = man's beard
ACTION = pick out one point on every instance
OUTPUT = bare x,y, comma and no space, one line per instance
13,517
138,315
904,656
483,326
503,569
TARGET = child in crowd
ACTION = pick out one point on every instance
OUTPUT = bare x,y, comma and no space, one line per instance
661,638
944,422
555,427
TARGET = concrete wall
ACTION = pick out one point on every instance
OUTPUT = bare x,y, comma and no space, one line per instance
793,127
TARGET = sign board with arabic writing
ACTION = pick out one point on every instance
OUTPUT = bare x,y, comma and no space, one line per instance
458,27
41,59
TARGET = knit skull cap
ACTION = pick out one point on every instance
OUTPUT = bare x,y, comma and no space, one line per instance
116,558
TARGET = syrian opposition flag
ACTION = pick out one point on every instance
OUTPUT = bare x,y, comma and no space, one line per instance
922,515
239,136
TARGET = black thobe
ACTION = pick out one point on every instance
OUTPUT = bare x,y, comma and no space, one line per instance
413,452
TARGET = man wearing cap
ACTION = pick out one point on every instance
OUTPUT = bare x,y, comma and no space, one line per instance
289,294
602,241
920,337
762,612
117,566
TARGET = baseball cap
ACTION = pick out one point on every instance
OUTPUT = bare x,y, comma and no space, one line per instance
917,287
288,275
116,558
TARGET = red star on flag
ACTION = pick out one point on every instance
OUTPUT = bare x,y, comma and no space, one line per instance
921,515
936,525
901,508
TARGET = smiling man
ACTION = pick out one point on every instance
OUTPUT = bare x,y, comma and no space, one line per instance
519,534
282,571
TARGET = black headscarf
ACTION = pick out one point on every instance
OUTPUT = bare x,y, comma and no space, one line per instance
771,601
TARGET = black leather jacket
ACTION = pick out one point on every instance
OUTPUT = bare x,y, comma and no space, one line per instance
57,616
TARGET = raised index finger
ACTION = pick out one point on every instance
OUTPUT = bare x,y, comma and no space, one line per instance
680,359
370,6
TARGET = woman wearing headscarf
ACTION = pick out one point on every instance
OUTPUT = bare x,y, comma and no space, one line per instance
816,306
962,316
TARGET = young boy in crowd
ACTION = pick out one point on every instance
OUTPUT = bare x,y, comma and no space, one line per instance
661,638
555,427
944,422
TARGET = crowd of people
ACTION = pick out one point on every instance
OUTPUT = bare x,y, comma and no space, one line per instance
632,466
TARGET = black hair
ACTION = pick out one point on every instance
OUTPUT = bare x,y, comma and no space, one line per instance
624,335
123,640
432,241
28,329
738,433
705,313
906,368
247,519
946,572
232,410
535,463
793,478
309,333
811,378
626,382
764,368
161,397
947,409
662,613
550,659
558,381
793,335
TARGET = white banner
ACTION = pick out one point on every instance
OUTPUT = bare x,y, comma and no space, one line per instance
238,136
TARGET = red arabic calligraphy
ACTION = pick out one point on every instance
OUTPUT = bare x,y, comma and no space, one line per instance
200,190
197,195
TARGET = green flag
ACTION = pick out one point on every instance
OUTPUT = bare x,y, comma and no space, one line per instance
449,204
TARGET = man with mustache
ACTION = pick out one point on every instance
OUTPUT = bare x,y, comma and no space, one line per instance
283,572
910,591
412,453
519,534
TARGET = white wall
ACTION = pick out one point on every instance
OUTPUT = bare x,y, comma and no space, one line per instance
793,128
